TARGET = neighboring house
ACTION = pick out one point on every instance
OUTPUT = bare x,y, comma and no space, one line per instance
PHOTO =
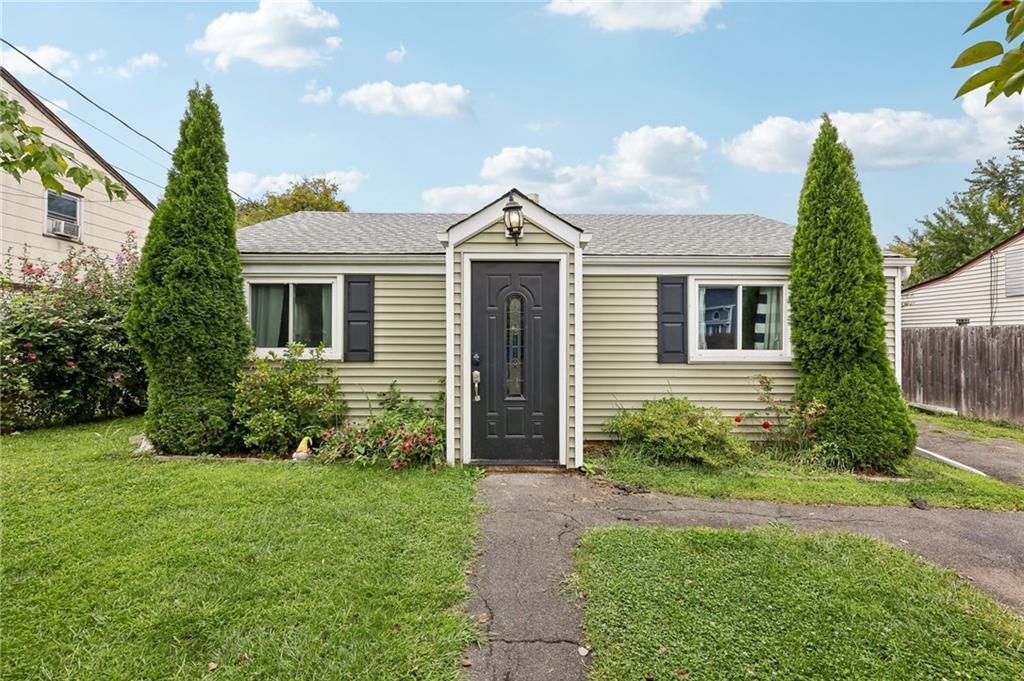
43,224
985,291
964,339
539,339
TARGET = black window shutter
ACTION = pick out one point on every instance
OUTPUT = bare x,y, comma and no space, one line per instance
358,318
672,320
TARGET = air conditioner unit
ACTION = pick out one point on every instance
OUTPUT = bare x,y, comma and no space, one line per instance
64,228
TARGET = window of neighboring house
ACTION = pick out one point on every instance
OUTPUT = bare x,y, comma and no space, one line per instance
1015,273
63,215
293,312
742,319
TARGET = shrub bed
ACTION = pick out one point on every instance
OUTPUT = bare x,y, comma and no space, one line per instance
674,429
403,432
279,401
64,352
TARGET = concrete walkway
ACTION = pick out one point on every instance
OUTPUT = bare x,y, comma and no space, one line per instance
533,625
999,458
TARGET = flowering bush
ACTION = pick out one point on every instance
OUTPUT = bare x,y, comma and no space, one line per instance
790,427
674,429
403,432
279,401
64,352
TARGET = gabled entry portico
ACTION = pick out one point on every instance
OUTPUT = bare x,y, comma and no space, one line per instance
514,356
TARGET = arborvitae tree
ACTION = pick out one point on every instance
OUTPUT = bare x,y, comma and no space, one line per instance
837,298
187,316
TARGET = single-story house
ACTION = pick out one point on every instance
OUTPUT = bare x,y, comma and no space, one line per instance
541,325
985,291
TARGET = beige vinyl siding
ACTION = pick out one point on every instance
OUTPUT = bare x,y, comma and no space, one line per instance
408,343
104,223
977,292
493,240
620,358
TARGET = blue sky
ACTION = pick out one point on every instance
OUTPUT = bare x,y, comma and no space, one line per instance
685,107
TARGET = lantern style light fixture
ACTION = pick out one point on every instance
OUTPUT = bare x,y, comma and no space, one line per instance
513,219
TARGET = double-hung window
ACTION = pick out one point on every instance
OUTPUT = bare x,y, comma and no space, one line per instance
63,215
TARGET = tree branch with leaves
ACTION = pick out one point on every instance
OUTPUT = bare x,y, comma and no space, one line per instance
1006,77
23,150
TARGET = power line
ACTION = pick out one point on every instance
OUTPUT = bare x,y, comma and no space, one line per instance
106,111
118,168
85,97
99,130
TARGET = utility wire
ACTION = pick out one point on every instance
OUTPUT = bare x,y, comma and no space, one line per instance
106,111
85,97
118,168
99,130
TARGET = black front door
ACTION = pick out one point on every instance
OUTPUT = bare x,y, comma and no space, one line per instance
514,346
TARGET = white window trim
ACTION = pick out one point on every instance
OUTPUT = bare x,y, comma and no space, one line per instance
79,219
332,352
697,355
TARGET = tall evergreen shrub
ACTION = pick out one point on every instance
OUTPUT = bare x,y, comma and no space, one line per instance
837,297
187,316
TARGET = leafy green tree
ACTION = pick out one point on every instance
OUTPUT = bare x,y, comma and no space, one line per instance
987,213
187,316
311,193
23,150
837,298
1006,77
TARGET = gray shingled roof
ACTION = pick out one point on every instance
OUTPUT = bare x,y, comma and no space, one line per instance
612,234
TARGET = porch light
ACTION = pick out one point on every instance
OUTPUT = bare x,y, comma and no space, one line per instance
513,219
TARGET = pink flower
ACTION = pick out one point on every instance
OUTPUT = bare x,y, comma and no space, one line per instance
70,363
28,344
31,356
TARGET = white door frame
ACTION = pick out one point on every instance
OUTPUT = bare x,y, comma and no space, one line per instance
563,354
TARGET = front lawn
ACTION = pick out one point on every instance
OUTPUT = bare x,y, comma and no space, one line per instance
119,568
977,428
938,484
704,604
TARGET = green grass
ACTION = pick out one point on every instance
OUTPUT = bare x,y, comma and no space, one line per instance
118,568
940,485
771,603
977,428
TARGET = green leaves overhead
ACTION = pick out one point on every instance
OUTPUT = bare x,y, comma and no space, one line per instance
23,149
1007,77
980,52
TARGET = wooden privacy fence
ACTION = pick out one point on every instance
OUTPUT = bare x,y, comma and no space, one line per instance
975,370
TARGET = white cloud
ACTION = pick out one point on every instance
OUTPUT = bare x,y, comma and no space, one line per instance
541,126
58,60
649,169
96,55
417,99
282,34
315,95
396,56
678,17
133,66
881,139
252,186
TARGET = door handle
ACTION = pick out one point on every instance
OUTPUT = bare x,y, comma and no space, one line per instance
476,386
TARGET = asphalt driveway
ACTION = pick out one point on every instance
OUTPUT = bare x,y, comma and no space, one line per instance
536,519
1001,459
